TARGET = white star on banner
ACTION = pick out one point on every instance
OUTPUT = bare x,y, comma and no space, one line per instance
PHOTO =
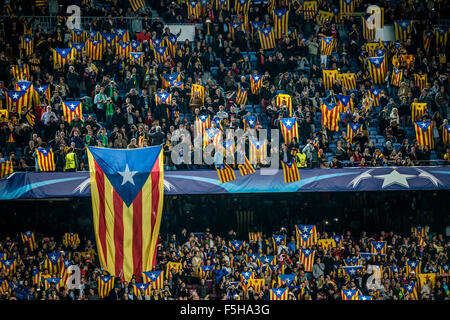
127,175
395,178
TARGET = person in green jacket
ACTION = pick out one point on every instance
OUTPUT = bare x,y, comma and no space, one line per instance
110,107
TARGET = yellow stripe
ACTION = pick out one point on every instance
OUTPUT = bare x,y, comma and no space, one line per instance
109,219
146,224
128,241
160,207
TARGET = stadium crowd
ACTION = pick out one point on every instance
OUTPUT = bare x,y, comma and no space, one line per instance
118,95
276,262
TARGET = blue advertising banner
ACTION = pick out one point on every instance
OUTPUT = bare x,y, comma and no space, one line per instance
32,185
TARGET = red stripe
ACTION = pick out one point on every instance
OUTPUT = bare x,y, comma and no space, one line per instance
118,231
100,180
155,175
137,235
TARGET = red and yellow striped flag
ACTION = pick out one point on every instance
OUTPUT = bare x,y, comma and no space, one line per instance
284,99
225,173
377,69
46,161
246,168
347,80
28,237
21,72
267,38
446,134
71,108
309,9
94,49
418,110
256,83
123,49
27,44
6,167
280,22
127,200
289,129
155,277
258,151
441,35
255,236
198,89
426,38
241,95
329,77
307,258
201,123
397,76
62,56
330,116
421,80
327,45
402,29
424,134
241,6
352,130
137,4
105,284
290,172
194,9
138,287
278,293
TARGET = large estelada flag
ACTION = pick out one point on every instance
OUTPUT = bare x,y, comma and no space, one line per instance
155,277
256,83
241,95
309,9
330,116
171,43
418,110
241,6
26,44
402,29
352,130
127,200
137,4
123,49
94,49
446,134
278,293
136,58
201,123
122,34
344,102
258,151
289,129
375,95
78,35
15,100
397,76
6,167
62,56
441,35
290,172
329,77
161,54
21,71
424,134
71,108
109,40
198,89
225,173
280,21
194,8
284,99
266,38
249,122
105,284
307,258
411,289
348,80
349,294
79,48
326,45
421,80
347,7
45,157
426,39
368,32
377,69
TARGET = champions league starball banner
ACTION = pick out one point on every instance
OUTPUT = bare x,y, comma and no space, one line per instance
32,185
